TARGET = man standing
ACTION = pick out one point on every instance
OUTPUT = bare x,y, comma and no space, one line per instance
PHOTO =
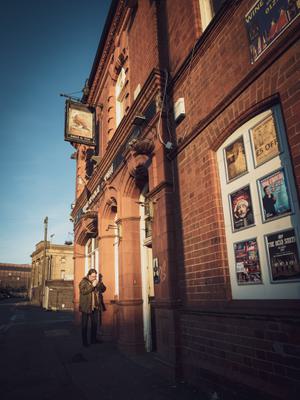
89,305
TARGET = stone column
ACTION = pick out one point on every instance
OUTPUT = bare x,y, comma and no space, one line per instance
107,269
130,302
79,273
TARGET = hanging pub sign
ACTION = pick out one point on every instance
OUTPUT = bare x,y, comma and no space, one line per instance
266,20
80,123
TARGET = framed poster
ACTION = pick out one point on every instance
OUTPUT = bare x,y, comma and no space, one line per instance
266,20
283,256
241,209
264,140
274,195
247,265
235,159
80,123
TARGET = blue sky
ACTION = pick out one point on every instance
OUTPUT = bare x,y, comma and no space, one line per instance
47,48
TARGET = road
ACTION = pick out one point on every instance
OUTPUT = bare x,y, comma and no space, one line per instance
30,366
42,358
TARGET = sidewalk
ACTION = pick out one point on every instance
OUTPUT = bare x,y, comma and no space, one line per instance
42,359
101,371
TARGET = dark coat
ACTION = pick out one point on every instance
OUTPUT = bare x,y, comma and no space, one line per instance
86,290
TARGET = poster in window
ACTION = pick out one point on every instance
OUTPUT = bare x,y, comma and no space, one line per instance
283,256
266,20
241,208
274,195
247,263
235,159
264,140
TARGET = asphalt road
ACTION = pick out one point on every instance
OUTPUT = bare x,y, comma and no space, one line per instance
41,358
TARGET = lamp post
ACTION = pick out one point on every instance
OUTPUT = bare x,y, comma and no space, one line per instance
45,261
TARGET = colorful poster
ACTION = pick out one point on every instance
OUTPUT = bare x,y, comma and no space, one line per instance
283,256
235,159
274,195
265,141
266,20
247,262
241,208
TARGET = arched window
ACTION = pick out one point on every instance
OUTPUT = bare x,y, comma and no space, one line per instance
261,210
120,96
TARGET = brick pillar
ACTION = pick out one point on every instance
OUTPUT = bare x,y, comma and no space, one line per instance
166,291
130,312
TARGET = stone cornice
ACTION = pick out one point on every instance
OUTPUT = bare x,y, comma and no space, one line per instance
106,46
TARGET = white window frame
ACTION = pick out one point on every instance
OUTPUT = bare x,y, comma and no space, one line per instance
91,257
268,289
120,94
206,12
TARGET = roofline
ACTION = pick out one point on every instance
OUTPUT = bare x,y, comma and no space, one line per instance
109,19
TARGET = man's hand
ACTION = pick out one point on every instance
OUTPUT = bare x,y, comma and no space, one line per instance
95,283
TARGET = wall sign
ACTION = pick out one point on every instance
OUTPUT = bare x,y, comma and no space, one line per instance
266,20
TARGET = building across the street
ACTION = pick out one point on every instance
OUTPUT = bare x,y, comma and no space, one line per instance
187,144
15,276
52,276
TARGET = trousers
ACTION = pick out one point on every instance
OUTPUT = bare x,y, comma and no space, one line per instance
93,316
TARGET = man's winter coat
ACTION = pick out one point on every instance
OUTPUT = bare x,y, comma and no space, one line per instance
87,291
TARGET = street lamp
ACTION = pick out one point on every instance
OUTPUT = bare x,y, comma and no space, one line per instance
45,261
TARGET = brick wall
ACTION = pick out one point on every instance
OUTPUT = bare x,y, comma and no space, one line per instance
205,276
61,295
221,348
182,23
253,350
142,44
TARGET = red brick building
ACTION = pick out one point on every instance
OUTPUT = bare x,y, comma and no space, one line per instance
15,276
189,203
